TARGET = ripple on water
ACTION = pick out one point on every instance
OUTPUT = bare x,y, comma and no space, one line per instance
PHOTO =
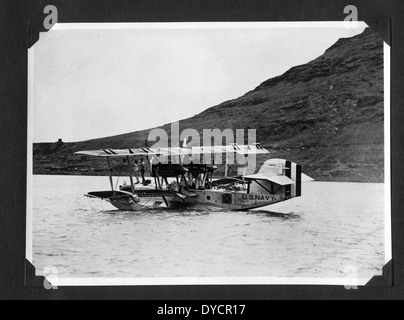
312,236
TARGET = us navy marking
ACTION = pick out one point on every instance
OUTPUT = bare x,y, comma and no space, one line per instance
259,197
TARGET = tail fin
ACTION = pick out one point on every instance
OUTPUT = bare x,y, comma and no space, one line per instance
286,168
296,176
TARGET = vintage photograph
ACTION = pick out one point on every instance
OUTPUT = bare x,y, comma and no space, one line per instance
209,153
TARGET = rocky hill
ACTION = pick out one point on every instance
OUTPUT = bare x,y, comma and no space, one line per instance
326,115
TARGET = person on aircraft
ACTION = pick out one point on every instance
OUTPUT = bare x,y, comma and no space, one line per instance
142,170
136,171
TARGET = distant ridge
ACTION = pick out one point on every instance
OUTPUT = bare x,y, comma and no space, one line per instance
326,115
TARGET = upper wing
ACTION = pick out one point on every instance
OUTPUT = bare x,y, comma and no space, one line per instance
116,153
233,148
176,151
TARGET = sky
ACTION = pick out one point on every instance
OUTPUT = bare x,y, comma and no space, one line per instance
90,81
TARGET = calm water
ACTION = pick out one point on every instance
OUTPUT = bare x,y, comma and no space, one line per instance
332,226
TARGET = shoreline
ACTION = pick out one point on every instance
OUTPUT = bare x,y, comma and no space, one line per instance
319,179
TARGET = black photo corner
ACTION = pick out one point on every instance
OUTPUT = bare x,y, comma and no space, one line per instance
21,23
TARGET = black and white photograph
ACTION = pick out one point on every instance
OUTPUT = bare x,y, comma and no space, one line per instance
209,153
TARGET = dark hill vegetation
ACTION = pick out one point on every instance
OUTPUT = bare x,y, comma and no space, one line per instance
326,115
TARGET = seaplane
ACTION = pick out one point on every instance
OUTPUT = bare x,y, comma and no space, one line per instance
180,182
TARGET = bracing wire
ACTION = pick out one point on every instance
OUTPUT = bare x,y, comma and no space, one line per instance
119,176
90,202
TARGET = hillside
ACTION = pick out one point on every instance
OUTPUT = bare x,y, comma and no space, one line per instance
326,115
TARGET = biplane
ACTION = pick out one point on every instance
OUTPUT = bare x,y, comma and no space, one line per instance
190,184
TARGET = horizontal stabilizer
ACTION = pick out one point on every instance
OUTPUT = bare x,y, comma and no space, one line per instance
281,180
306,178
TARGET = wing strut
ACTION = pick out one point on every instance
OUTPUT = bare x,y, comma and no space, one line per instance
110,174
130,175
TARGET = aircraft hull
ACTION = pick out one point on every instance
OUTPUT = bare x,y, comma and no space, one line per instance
202,199
227,200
